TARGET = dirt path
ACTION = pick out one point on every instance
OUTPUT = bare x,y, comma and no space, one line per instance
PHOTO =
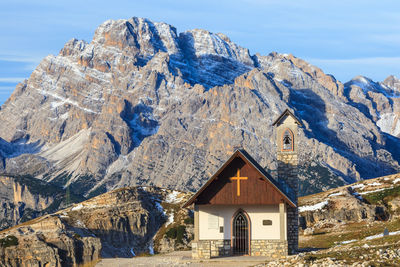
180,258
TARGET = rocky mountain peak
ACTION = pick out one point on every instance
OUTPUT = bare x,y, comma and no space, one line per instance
141,104
362,82
393,82
138,34
388,86
376,100
326,80
366,84
203,43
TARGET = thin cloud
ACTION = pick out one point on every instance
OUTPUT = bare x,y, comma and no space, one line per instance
25,63
11,79
368,60
22,59
376,68
389,38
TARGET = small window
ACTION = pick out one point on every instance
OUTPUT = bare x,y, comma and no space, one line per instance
213,221
267,222
287,140
221,229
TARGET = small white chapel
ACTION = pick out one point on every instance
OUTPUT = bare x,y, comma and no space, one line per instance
243,210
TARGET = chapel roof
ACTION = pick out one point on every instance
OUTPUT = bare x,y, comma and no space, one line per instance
287,112
281,186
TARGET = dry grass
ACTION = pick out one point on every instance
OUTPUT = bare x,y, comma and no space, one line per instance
179,221
358,254
329,237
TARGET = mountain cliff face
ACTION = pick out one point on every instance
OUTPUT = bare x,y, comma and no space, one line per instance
143,105
16,198
121,223
25,198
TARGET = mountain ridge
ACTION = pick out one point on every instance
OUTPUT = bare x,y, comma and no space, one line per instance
143,105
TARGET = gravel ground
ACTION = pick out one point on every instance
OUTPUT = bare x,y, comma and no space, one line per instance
180,258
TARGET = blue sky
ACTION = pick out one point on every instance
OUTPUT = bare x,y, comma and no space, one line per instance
344,38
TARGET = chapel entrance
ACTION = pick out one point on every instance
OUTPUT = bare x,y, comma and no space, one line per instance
240,234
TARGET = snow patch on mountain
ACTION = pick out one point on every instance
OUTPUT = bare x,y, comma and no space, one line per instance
77,207
348,241
374,191
381,235
389,123
63,101
336,194
170,219
314,207
174,197
358,186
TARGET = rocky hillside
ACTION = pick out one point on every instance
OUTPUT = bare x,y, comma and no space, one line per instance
354,225
142,104
366,201
122,223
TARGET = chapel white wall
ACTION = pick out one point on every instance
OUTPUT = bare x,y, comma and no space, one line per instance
257,214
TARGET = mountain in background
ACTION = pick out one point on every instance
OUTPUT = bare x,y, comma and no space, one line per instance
143,105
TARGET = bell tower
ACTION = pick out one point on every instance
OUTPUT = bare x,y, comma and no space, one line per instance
287,147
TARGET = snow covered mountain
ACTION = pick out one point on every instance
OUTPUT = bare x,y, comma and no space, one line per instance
379,101
143,105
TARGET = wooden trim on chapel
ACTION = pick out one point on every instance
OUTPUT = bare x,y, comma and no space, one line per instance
196,223
282,220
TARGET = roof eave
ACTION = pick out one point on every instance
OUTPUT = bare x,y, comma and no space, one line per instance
287,112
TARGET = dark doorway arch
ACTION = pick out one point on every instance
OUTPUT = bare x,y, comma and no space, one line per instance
240,233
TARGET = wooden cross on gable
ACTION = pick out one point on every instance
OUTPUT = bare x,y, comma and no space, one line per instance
238,179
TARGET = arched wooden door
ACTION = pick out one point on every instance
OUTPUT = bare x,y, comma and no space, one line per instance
240,234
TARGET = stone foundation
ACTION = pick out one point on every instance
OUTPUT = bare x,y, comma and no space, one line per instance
220,248
270,248
205,249
201,249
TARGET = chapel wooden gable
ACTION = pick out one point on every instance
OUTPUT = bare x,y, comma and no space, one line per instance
240,181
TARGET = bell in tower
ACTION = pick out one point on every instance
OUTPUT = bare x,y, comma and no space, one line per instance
287,140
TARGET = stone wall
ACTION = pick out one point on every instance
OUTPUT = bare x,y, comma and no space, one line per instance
204,249
270,248
292,229
287,171
201,249
220,248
